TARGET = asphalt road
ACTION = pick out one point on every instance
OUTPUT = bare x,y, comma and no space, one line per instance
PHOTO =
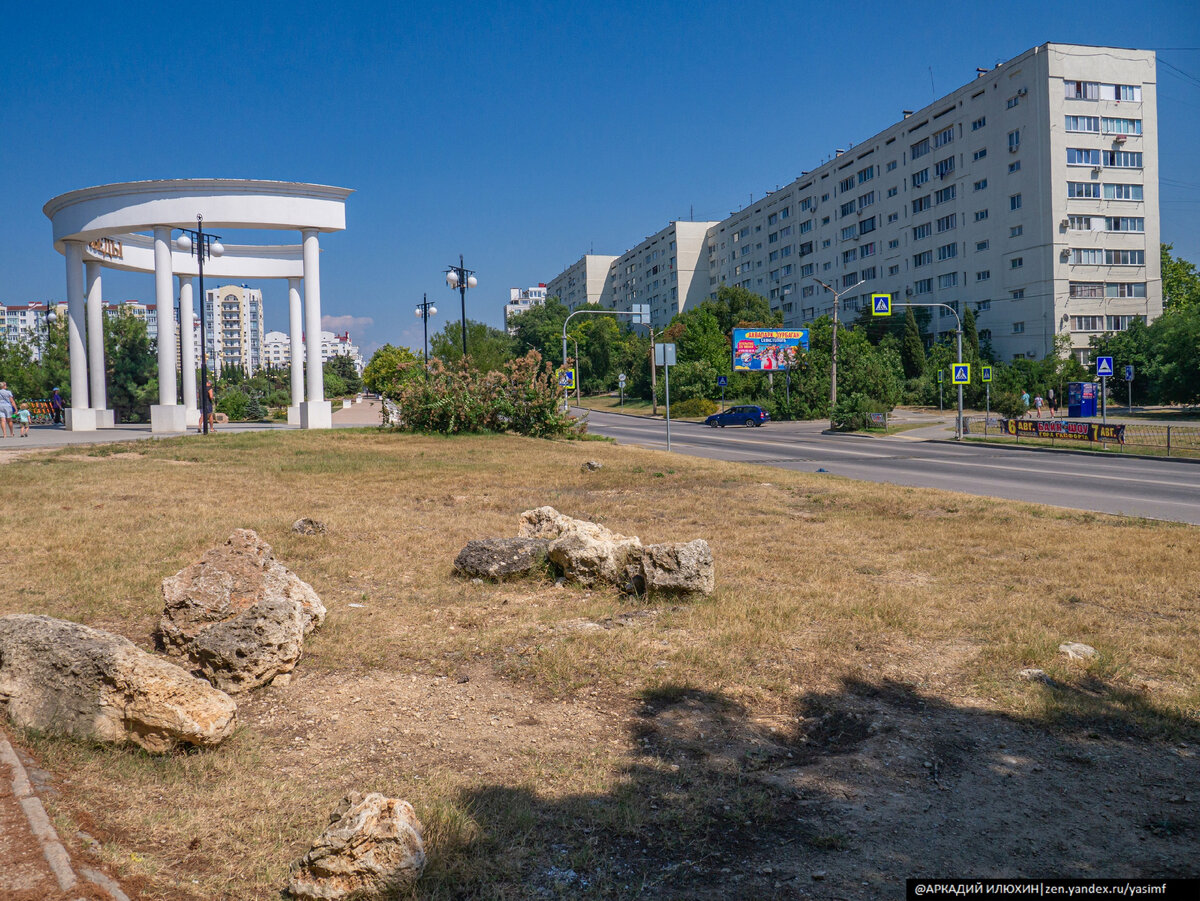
1133,486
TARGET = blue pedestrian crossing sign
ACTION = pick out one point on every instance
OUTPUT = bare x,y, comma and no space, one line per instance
960,374
1104,366
881,305
566,379
985,373
722,381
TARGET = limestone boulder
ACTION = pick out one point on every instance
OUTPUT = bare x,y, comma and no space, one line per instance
586,552
238,617
502,558
70,679
678,568
372,849
308,526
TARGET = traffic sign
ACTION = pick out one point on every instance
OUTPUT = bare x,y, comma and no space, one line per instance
1129,373
881,305
985,373
664,354
941,375
1104,366
621,378
722,381
566,378
961,374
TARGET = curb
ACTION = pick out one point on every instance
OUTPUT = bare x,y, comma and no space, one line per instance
42,829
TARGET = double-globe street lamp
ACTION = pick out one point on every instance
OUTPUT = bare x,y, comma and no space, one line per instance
201,246
460,278
424,310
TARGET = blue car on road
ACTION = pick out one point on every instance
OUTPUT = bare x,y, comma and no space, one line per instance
746,414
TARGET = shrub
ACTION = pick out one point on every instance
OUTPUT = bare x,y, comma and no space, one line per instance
1008,404
233,403
696,406
523,397
853,413
255,411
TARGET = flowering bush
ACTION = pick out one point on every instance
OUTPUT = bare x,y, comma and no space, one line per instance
523,397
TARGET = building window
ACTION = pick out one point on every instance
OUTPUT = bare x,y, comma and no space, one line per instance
981,184
806,226
947,251
893,244
923,286
1082,223
846,184
980,215
867,225
1122,192
849,256
867,250
1087,323
1081,90
866,174
980,153
945,223
891,166
922,231
807,291
1014,201
1124,224
1014,166
849,279
924,258
1125,257
979,123
1122,323
806,269
893,270
1085,289
919,149
847,209
943,137
1014,100
1121,126
1016,262
867,274
866,200
785,213
1018,328
849,232
921,204
1082,156
982,245
942,168
919,178
1122,159
1083,190
949,280
892,217
1125,289
1086,256
892,192
983,276
1083,123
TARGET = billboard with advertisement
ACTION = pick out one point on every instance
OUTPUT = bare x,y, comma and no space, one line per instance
767,349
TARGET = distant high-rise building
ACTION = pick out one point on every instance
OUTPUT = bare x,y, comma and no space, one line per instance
233,325
520,300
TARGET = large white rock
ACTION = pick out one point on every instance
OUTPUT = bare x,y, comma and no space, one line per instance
372,849
238,616
681,568
586,552
62,677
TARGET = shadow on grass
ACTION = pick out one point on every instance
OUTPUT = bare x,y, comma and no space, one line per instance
844,796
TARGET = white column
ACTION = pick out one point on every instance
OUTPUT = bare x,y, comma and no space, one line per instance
296,332
316,412
187,343
95,342
79,416
166,415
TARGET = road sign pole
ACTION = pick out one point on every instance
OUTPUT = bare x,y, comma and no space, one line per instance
1131,395
1104,399
941,405
958,424
667,395
722,398
988,414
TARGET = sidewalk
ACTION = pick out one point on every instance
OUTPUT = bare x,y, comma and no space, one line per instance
34,865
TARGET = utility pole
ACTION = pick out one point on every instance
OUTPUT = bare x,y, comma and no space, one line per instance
837,296
653,378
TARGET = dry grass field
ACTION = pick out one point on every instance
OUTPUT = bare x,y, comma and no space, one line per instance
844,712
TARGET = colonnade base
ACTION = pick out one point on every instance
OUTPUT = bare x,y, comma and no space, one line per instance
316,414
78,419
192,417
105,419
168,418
293,414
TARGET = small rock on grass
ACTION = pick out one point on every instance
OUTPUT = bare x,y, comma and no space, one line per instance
591,466
308,527
1077,650
501,558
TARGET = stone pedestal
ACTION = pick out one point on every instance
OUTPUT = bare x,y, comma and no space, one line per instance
316,414
192,417
105,419
294,414
79,419
168,418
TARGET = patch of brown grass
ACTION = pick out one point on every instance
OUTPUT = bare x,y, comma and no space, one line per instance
820,582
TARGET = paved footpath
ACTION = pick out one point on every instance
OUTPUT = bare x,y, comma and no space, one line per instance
34,865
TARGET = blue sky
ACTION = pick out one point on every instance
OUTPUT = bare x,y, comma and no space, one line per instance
521,135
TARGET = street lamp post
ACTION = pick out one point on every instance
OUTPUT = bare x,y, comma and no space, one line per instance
424,310
837,296
460,278
578,391
201,246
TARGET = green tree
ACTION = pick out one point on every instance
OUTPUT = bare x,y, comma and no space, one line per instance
132,367
488,349
736,306
343,367
912,348
1180,281
970,335
540,328
388,366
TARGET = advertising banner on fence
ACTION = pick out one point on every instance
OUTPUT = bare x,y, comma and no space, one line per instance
1065,430
765,349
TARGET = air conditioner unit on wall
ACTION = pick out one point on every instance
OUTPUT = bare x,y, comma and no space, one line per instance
1119,139
1065,223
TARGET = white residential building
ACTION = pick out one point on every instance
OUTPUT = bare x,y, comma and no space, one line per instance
520,300
26,323
662,272
277,349
584,281
1029,194
235,336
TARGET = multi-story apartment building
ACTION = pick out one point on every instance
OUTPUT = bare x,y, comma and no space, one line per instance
26,323
233,324
584,281
277,349
1029,194
520,300
661,272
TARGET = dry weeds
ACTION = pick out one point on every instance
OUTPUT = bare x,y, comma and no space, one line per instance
853,678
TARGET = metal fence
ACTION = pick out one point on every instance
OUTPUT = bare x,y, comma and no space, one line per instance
1164,440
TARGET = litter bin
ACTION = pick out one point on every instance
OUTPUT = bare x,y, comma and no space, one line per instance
1081,399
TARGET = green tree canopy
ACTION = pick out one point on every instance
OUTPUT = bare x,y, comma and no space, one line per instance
488,348
1180,281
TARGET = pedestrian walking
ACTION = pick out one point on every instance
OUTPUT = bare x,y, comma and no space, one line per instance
23,420
1025,402
209,405
1037,405
56,406
8,408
